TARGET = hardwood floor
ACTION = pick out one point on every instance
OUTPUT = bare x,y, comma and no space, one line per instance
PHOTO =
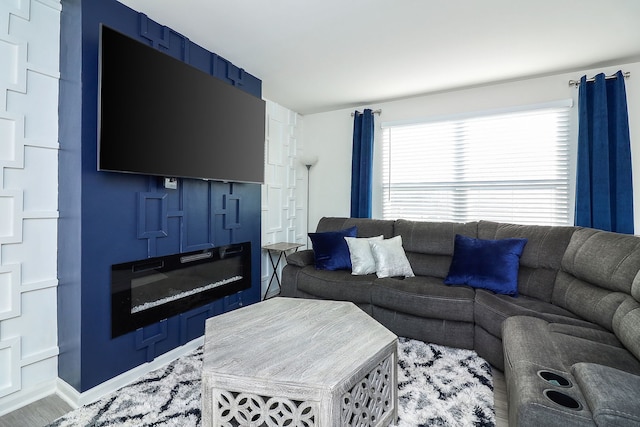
45,411
500,402
37,414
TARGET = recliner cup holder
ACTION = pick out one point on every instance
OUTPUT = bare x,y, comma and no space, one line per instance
554,379
562,399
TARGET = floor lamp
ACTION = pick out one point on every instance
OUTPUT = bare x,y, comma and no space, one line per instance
308,161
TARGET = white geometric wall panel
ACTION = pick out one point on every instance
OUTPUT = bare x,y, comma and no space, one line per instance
283,210
9,360
34,252
9,291
275,209
29,77
11,130
11,214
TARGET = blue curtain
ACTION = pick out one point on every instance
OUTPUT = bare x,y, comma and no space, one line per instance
604,194
362,164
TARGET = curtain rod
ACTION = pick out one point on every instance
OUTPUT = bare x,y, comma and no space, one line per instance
373,112
576,83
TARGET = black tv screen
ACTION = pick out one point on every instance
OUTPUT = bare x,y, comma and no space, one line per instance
161,116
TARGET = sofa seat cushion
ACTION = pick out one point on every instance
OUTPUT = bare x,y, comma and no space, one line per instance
335,285
492,309
424,296
587,333
612,395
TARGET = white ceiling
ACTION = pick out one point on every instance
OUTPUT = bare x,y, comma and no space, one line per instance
322,55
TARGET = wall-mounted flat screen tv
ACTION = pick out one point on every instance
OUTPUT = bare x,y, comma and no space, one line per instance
161,116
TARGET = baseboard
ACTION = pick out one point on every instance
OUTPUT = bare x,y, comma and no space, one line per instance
273,293
68,393
77,399
24,397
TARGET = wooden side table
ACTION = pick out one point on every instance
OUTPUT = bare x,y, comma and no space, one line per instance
280,249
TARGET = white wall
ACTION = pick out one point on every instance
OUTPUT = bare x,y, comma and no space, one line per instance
29,64
329,135
284,191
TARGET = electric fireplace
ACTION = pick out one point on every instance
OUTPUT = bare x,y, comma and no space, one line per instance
147,291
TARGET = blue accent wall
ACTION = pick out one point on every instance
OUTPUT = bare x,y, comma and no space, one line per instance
108,218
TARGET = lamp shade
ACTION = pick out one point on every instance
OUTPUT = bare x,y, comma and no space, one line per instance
309,160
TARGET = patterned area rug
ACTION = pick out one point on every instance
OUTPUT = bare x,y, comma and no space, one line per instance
437,386
443,386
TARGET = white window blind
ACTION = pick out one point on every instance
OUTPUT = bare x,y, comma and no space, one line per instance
507,167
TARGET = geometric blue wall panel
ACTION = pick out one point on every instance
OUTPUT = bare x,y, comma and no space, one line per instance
196,225
160,332
192,322
152,215
235,74
108,218
198,214
230,211
161,40
231,302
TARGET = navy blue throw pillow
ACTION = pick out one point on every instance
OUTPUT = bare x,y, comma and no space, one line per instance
486,264
331,250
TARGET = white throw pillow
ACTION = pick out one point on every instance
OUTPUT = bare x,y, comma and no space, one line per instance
362,261
390,258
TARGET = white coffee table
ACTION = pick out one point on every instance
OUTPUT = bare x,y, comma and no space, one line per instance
298,362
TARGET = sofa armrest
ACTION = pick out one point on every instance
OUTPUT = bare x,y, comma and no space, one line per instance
302,258
612,394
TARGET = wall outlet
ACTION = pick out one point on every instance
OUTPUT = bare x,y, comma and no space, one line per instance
171,183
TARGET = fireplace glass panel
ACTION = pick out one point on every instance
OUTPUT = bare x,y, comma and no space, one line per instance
147,291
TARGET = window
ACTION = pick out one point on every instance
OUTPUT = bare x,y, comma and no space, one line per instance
507,167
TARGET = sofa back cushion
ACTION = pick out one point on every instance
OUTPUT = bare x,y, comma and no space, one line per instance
599,269
626,325
429,245
626,320
542,255
593,303
608,260
366,227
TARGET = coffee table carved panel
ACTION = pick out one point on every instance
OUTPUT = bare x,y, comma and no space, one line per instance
247,409
371,398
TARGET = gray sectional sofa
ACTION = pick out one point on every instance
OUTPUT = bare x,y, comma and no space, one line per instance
569,343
